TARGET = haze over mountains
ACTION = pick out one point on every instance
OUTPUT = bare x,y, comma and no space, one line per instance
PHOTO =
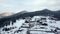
5,14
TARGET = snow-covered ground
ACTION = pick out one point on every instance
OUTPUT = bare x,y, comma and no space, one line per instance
20,22
57,24
17,25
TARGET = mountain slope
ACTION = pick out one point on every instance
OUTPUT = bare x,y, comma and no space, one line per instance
24,14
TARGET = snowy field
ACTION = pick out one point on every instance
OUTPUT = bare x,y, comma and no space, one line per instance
18,25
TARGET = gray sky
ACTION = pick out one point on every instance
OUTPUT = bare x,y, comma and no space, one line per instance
29,5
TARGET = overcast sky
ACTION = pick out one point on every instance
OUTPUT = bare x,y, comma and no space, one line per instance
29,5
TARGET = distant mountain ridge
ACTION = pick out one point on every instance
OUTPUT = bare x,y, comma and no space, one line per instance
24,14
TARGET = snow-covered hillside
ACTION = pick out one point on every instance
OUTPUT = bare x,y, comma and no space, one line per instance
21,27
